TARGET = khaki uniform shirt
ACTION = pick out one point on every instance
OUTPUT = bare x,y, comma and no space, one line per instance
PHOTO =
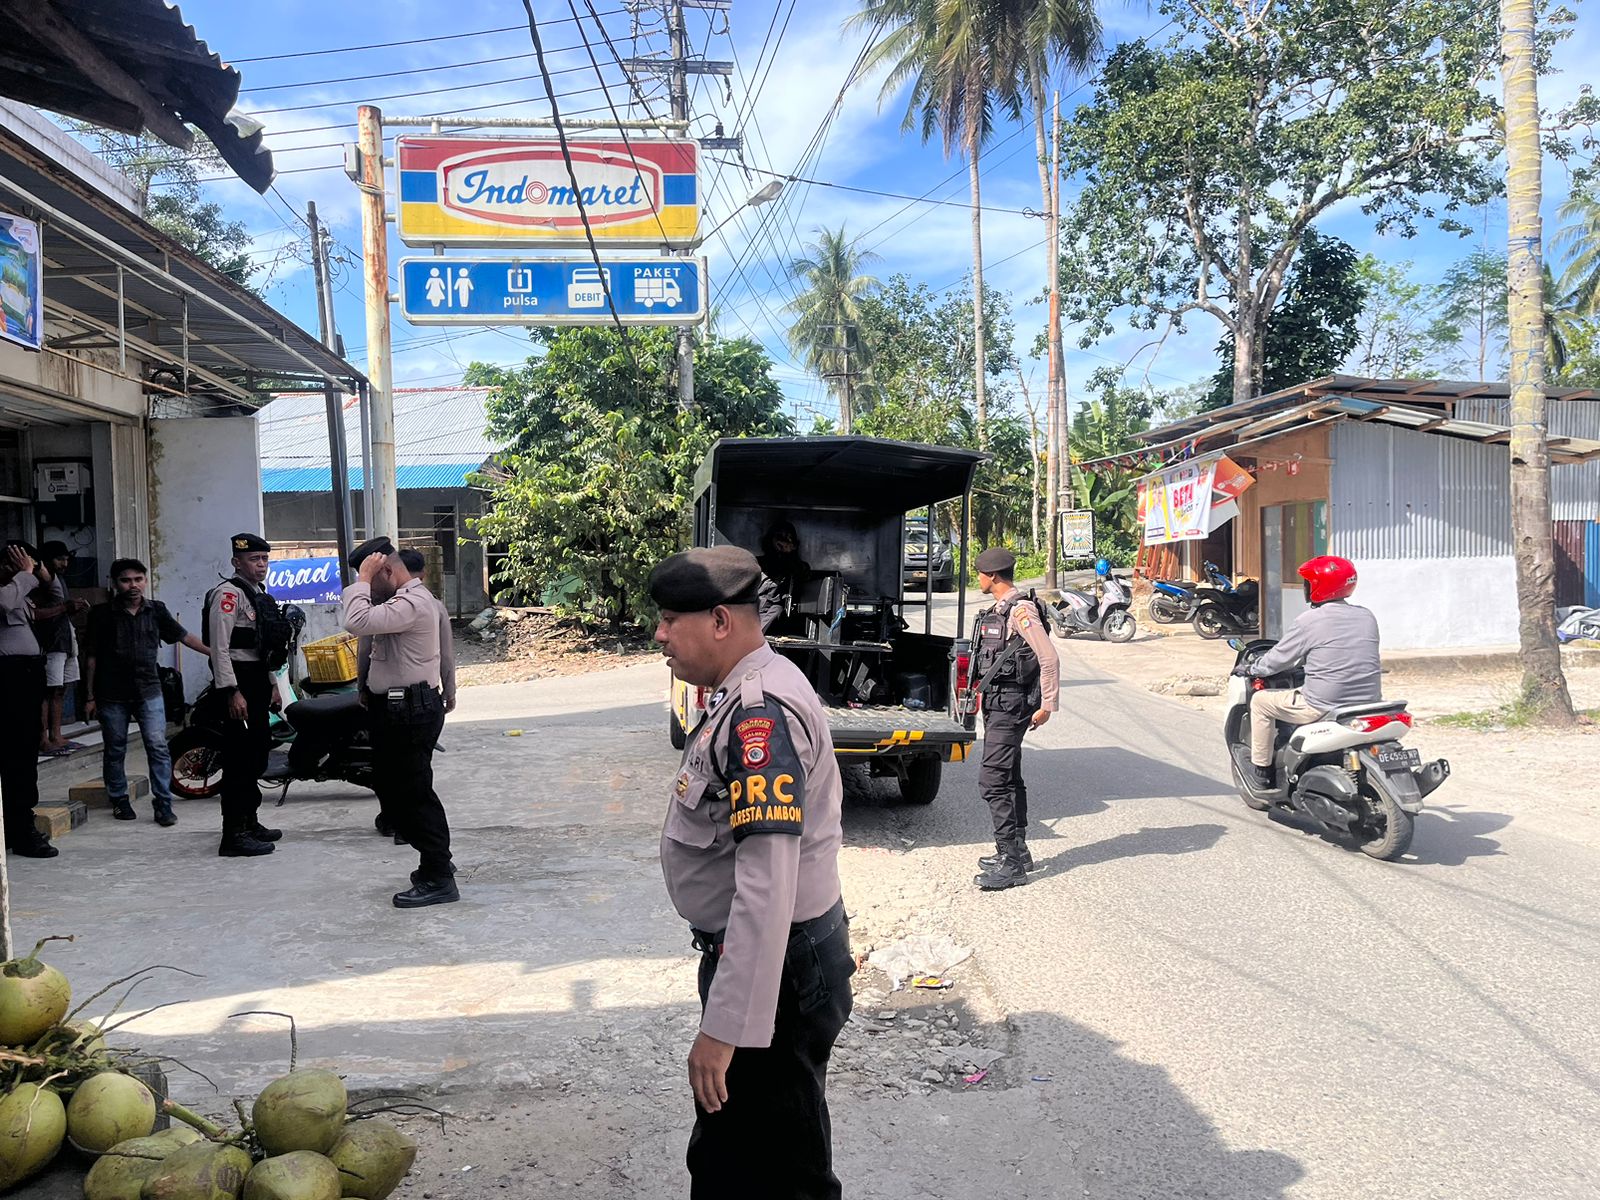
16,634
751,840
447,656
405,634
1024,622
232,607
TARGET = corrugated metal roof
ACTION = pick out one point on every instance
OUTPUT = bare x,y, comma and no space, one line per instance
440,434
132,65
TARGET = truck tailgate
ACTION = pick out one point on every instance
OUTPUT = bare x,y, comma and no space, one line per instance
894,729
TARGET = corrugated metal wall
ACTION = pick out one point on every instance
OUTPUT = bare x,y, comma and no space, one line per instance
1574,490
1399,494
1569,538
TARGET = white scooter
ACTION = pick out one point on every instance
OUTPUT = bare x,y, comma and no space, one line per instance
1347,772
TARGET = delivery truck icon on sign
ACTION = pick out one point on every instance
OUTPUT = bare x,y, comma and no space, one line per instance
586,288
651,291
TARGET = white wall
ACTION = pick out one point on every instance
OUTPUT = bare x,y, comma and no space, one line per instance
1423,604
205,486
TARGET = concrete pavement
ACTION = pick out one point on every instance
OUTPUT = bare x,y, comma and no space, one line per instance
1193,1001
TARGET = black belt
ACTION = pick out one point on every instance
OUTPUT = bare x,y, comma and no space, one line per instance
817,928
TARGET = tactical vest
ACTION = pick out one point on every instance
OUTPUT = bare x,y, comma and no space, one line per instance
273,635
992,639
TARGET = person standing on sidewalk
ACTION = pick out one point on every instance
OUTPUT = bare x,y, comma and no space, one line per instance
124,684
405,706
21,698
1018,674
750,852
242,628
53,610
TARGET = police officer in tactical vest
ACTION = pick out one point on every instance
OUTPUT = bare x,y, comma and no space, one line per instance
250,638
750,852
1017,670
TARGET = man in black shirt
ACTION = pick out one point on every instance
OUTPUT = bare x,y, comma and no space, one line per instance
125,684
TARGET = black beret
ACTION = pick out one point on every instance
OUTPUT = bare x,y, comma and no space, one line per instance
702,578
249,543
377,545
997,560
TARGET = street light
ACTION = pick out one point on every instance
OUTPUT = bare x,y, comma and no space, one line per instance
768,192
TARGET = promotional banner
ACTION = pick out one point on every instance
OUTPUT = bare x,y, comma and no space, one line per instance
308,580
1077,534
456,191
1186,502
21,282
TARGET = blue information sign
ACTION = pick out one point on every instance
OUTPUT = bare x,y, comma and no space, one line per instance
552,291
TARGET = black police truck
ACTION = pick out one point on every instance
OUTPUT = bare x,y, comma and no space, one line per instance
898,696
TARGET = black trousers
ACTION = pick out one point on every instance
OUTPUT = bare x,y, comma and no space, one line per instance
245,747
21,693
402,755
1007,716
772,1139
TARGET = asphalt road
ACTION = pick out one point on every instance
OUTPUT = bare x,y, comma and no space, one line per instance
1236,1007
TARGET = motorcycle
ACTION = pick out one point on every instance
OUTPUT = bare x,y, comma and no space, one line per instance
1236,611
1174,600
1347,772
1107,616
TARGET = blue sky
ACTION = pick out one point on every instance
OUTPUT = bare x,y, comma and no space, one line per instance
793,78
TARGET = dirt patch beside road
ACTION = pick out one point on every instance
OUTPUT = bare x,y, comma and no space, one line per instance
519,644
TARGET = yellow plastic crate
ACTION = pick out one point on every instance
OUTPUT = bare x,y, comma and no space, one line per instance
331,659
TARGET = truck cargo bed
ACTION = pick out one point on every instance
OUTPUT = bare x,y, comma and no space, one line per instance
891,729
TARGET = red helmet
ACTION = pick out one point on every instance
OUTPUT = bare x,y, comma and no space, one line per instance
1328,577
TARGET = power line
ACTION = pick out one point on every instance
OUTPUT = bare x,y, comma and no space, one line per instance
846,187
445,37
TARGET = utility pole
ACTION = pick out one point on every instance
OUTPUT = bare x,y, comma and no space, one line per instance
384,512
680,112
338,454
1544,684
1055,396
848,400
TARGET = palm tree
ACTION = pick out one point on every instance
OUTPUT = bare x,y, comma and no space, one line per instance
1580,237
827,313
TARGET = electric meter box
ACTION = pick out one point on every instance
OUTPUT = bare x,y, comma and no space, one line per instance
54,479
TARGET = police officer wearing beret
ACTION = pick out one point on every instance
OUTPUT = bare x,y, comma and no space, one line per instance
1018,673
401,686
238,614
750,852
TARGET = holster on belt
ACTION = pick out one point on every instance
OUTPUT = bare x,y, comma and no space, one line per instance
414,704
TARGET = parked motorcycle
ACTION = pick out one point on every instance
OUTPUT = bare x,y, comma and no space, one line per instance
1174,600
1346,772
1106,615
1233,612
317,738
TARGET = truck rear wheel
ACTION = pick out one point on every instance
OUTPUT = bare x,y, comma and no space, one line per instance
920,783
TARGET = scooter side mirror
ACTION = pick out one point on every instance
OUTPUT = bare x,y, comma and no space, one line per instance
1235,644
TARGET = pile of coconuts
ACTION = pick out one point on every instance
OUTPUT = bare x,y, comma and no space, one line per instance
61,1085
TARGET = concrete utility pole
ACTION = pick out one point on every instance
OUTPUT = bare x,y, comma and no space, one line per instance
384,514
1544,684
1056,391
848,401
338,453
680,112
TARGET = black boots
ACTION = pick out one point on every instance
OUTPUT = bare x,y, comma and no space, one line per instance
243,844
1264,779
261,833
990,861
426,892
1009,871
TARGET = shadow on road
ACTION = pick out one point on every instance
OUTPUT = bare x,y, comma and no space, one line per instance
1151,840
1448,837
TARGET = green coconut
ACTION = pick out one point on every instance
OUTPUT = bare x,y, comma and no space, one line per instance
200,1171
122,1171
33,1124
304,1110
108,1108
33,997
372,1157
298,1175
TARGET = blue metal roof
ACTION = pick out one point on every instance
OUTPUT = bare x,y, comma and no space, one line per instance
317,479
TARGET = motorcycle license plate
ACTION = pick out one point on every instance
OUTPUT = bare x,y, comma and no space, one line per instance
1395,758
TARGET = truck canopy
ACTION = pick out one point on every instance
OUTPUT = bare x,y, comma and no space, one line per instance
872,475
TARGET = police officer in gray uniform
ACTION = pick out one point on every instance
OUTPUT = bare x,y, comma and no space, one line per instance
1018,674
750,852
237,614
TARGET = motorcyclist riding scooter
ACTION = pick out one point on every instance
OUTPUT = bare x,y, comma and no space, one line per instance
1336,643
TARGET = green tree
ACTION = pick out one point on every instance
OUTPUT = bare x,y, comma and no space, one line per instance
828,314
167,181
1472,313
593,488
1205,162
1398,335
1314,326
1579,239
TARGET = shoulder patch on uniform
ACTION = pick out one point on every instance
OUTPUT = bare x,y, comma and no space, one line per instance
755,734
228,602
766,780
1024,621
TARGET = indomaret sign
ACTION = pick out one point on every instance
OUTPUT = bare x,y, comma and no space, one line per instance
498,191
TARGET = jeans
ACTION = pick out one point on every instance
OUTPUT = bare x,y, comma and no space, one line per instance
151,714
773,1139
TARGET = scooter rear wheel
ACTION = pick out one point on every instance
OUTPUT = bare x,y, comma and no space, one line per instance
197,764
1164,611
1392,838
